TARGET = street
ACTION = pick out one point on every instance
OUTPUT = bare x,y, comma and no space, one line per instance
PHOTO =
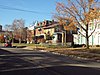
18,61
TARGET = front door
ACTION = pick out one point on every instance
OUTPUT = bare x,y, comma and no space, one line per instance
59,38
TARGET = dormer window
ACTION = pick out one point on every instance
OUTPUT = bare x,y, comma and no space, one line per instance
39,29
38,24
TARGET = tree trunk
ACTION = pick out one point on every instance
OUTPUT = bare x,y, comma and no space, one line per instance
87,41
87,38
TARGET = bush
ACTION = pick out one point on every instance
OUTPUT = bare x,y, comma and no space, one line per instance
97,45
79,45
1,40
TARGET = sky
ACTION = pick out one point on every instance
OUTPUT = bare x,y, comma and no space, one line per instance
35,10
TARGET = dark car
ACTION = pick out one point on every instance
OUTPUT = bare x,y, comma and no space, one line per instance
8,44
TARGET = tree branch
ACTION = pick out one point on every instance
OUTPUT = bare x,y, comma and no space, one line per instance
78,15
82,34
80,25
75,16
93,30
83,7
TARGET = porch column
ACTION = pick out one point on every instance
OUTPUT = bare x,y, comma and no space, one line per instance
62,38
45,36
65,37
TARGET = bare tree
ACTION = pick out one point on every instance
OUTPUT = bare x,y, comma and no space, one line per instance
7,27
18,28
78,13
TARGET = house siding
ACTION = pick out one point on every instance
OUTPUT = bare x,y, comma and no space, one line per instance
94,39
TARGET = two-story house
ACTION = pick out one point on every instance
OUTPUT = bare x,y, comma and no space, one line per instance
53,29
94,39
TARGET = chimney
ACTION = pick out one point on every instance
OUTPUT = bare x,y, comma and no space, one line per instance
53,21
0,27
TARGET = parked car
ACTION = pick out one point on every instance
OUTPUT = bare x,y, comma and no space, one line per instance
8,44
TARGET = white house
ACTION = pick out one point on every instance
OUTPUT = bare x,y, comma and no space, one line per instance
94,39
31,27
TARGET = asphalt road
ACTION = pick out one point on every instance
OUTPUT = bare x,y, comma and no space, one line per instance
17,61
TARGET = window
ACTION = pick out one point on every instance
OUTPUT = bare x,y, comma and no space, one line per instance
98,26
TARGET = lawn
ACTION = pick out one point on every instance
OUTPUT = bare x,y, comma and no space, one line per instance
92,54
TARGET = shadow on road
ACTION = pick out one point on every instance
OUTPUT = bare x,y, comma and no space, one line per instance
2,51
15,64
56,70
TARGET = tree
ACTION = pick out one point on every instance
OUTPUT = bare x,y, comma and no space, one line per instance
8,27
8,32
19,29
78,14
1,38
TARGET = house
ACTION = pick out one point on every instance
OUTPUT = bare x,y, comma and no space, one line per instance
94,39
52,32
48,28
31,33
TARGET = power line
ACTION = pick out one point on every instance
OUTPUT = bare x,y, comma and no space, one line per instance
23,10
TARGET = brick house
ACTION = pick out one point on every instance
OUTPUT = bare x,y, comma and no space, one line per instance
42,29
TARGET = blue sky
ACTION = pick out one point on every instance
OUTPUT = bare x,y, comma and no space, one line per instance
44,9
